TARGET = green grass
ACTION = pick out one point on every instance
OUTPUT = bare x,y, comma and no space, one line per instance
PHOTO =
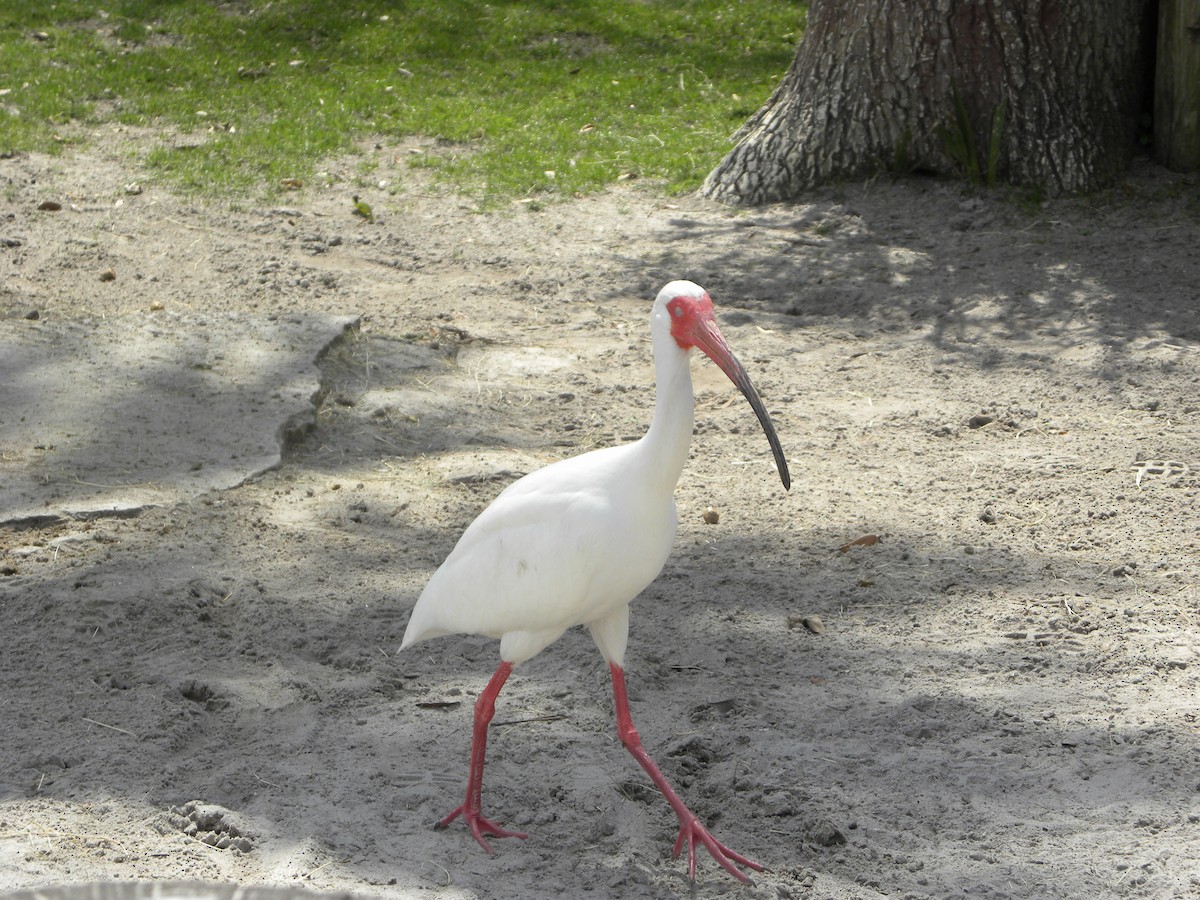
591,91
957,135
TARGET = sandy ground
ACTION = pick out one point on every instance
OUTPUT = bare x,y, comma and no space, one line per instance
1005,697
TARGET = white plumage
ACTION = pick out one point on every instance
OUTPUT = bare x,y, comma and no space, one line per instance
575,542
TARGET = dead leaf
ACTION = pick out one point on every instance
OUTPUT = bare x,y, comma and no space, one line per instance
49,206
440,704
867,540
812,623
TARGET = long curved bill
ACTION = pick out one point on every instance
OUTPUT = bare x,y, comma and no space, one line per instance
709,339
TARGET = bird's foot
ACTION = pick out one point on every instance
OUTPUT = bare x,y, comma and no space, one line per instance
479,826
691,832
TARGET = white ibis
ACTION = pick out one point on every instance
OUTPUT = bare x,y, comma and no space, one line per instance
575,542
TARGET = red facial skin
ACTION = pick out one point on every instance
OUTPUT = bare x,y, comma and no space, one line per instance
694,324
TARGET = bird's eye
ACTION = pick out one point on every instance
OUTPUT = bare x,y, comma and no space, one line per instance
677,310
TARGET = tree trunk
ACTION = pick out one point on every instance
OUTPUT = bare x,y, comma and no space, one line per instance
1043,93
1177,85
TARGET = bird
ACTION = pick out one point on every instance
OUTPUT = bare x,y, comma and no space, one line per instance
362,209
575,542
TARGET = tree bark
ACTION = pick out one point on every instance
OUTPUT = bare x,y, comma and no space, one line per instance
1177,85
897,85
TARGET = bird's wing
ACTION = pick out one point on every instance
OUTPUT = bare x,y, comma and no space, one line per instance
523,564
560,547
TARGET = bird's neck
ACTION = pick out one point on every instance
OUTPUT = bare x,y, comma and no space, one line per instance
667,442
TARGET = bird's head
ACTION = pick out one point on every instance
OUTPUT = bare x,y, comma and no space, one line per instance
690,311
693,323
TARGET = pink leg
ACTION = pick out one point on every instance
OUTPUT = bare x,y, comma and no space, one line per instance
485,708
690,829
